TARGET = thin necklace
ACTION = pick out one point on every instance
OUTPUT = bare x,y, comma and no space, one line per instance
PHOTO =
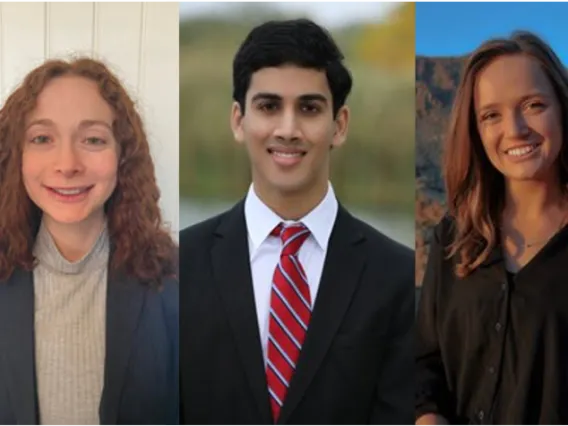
534,243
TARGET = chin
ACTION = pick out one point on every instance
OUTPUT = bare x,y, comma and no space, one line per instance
526,175
67,218
289,187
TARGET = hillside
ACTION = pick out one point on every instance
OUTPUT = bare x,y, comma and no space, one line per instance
436,82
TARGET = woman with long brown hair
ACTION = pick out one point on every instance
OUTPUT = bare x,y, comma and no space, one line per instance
492,323
88,274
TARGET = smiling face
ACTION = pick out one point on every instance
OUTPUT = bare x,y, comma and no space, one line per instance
518,118
70,155
289,129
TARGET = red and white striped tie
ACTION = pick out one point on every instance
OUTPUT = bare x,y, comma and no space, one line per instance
290,312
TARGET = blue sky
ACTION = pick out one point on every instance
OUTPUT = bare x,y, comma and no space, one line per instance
444,29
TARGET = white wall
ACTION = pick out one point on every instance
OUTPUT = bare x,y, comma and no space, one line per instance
138,41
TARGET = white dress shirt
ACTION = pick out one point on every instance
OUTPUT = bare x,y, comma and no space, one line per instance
264,249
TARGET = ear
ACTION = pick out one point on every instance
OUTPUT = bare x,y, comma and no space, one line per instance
341,127
237,122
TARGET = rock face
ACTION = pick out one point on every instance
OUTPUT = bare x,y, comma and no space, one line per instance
436,82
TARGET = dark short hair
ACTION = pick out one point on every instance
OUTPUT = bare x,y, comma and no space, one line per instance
298,42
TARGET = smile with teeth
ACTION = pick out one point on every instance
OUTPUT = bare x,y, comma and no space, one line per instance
287,154
519,152
70,191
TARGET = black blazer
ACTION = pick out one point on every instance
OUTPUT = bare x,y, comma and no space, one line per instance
357,363
141,379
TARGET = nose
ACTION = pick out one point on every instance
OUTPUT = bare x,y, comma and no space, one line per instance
68,160
287,128
517,126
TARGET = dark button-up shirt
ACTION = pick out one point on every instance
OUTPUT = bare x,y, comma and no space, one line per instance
492,348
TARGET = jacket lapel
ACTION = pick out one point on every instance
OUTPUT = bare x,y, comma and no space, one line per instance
17,345
342,270
125,298
231,269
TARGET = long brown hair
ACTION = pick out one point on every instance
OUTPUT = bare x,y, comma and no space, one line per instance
141,247
474,188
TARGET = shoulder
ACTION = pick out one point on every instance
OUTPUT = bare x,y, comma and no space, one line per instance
165,299
443,232
202,231
379,244
169,293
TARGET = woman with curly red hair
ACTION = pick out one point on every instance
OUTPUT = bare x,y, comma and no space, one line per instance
88,275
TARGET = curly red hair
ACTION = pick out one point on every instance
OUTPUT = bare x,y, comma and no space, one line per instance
141,247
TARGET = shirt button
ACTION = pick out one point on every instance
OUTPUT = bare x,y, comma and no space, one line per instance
491,370
504,286
498,326
481,414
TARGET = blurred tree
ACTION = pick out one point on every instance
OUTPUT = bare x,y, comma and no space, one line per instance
390,44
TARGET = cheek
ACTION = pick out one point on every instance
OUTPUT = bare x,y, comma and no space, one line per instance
489,139
105,169
552,130
319,132
259,134
33,166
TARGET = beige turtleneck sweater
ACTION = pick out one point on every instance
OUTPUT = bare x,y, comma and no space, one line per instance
70,318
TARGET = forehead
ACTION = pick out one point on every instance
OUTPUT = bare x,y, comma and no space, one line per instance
510,77
289,82
71,97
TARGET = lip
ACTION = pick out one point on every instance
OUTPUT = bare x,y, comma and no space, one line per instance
69,198
69,188
286,157
520,158
286,150
523,145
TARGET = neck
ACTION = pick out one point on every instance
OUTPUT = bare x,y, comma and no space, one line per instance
74,241
292,205
533,200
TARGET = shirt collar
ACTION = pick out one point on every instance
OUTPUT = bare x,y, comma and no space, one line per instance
261,220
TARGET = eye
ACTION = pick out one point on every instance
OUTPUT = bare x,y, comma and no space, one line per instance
310,108
40,139
490,116
268,106
535,105
95,141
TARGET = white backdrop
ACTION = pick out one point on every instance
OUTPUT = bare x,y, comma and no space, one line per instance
138,41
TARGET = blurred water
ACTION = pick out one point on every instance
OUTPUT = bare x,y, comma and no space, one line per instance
396,226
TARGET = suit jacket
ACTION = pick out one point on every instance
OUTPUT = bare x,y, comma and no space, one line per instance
141,378
357,362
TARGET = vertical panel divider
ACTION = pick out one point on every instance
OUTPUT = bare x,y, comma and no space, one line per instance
46,30
95,41
141,50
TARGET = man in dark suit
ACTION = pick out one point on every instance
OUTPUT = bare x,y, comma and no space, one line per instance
292,310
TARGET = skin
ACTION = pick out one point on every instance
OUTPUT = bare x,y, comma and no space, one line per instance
431,419
69,143
516,105
289,109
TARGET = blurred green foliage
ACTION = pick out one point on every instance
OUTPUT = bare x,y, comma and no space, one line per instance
373,170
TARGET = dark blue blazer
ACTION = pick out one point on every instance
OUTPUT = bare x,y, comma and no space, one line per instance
141,384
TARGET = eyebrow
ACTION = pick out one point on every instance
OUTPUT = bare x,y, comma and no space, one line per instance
82,125
304,98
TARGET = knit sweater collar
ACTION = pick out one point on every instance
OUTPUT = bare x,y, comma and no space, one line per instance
49,255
